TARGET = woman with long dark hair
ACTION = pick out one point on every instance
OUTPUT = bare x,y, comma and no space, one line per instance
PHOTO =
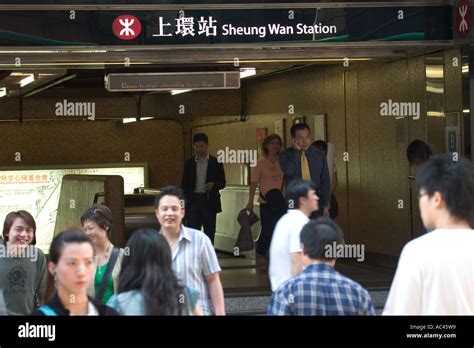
71,266
418,153
147,283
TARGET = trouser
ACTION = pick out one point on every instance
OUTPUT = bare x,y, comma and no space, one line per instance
268,222
317,214
200,214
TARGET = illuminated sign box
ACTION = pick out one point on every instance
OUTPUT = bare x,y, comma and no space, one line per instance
172,81
37,191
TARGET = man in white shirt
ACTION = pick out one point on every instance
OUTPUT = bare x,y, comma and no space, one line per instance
435,273
285,248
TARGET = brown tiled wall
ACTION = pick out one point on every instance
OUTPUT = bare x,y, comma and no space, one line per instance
156,142
377,205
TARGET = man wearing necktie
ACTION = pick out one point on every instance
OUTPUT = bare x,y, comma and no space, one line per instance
303,161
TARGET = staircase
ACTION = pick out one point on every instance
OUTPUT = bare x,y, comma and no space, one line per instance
257,303
247,290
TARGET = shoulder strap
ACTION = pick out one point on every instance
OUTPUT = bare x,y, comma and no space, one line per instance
47,310
192,298
107,274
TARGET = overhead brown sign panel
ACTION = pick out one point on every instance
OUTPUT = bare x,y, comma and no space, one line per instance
172,81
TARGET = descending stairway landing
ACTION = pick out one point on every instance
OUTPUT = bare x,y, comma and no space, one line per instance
247,290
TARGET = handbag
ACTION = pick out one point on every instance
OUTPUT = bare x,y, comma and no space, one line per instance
246,219
48,311
276,202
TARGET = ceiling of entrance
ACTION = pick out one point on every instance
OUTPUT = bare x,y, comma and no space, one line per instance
45,69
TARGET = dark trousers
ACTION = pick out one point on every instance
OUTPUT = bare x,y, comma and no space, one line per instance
268,222
201,214
317,214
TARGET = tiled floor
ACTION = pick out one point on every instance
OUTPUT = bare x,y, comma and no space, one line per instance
240,277
367,275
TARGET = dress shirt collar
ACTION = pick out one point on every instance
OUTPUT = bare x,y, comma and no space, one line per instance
196,158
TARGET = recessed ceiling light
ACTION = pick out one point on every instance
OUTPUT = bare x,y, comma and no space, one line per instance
246,72
179,91
27,80
129,120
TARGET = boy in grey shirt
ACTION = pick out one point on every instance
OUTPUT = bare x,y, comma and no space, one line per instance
22,265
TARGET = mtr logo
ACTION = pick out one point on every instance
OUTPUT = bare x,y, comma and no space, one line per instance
463,18
126,27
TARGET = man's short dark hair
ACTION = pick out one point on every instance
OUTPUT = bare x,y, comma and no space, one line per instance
297,127
418,152
454,180
298,189
170,191
317,234
200,137
321,145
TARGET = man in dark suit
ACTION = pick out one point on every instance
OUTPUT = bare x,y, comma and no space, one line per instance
303,161
203,177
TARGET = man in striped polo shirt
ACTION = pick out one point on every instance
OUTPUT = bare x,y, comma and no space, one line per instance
194,258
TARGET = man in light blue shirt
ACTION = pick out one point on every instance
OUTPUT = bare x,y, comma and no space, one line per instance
194,258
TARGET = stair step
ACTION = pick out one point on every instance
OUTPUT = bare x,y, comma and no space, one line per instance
256,304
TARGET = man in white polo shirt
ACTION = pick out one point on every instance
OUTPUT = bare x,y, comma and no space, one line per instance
435,273
285,248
